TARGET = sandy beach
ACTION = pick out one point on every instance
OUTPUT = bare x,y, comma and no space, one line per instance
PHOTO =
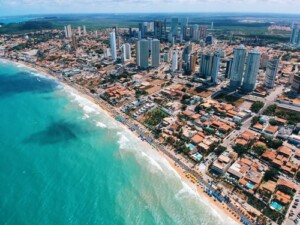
221,208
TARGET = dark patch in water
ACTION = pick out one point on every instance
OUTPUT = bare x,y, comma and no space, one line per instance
24,82
57,132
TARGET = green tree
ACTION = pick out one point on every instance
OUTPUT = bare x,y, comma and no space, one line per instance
240,149
255,119
276,143
271,174
256,106
259,149
220,149
270,111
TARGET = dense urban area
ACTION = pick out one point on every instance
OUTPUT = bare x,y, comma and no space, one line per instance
227,110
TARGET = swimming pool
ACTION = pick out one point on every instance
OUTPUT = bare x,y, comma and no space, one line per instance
276,206
250,185
198,156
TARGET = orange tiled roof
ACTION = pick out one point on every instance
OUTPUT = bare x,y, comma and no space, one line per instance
284,150
272,129
287,184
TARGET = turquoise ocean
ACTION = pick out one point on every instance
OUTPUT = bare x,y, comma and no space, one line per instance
63,160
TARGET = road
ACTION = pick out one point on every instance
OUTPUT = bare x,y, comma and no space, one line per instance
236,133
270,99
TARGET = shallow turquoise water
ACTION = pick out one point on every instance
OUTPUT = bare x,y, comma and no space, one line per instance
65,161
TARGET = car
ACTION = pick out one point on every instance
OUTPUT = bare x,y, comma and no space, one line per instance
297,200
294,207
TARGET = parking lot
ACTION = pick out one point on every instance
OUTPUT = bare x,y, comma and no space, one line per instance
294,211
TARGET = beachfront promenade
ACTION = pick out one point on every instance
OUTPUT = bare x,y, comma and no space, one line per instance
147,136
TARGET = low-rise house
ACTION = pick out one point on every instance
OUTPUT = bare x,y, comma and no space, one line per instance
270,130
269,187
221,164
247,172
282,197
285,151
287,186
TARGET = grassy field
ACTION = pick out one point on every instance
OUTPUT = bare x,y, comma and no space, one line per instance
236,101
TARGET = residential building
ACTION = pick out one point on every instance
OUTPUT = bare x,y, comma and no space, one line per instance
143,53
271,72
237,68
155,53
296,83
216,66
158,29
174,26
251,71
206,62
113,47
126,52
174,66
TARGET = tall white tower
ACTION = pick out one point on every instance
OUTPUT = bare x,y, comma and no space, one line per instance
84,30
155,53
251,71
237,68
113,46
126,52
174,61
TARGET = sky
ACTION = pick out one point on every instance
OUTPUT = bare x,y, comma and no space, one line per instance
24,7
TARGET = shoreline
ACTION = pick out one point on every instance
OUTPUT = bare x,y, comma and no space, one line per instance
221,208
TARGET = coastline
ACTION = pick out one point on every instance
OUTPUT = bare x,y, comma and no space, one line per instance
220,207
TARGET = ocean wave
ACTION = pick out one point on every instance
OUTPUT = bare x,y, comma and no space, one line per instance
128,142
99,124
100,117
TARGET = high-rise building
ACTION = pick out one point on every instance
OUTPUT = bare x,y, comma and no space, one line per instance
155,53
183,23
74,42
296,83
115,29
137,52
143,53
174,26
186,33
174,61
209,39
206,61
186,52
295,35
165,28
126,52
228,67
203,32
271,72
84,30
251,71
158,29
113,47
264,60
237,68
195,32
143,29
216,66
68,31
79,31
193,60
